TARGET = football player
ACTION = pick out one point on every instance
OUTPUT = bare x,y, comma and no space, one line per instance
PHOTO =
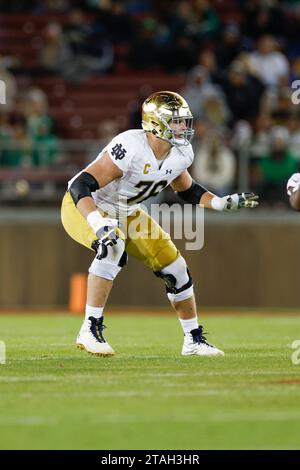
134,166
293,190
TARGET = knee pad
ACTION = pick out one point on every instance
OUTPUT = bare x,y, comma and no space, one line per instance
109,260
179,284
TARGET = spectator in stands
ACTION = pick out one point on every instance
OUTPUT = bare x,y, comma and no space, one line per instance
207,20
144,53
293,125
214,162
197,83
196,20
118,22
214,109
262,17
270,64
291,32
207,59
36,111
275,167
295,70
40,127
18,146
181,19
91,51
114,18
243,91
281,105
5,126
180,56
5,136
78,32
260,143
55,53
241,136
45,147
230,45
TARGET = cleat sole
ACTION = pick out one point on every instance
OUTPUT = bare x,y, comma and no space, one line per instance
194,353
91,353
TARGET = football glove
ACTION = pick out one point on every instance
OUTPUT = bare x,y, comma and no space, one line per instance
103,228
239,200
106,234
293,184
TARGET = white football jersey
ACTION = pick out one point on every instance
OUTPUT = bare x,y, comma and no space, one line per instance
143,175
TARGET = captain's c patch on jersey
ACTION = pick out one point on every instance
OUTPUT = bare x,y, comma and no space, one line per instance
146,168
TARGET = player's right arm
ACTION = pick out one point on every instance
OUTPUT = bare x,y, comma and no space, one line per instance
193,193
293,190
97,175
103,172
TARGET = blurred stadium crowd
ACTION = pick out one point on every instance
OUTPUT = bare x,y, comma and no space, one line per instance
77,72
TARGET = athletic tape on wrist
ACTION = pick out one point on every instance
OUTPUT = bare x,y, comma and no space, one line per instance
95,220
217,203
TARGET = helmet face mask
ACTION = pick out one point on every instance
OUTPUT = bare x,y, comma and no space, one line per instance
181,130
167,115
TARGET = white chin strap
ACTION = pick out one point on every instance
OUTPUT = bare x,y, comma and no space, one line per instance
180,141
175,141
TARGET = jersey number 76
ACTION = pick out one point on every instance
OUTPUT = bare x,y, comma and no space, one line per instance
149,189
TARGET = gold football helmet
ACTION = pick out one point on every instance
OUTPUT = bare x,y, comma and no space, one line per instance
167,115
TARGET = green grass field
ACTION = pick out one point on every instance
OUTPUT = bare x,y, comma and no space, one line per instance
53,396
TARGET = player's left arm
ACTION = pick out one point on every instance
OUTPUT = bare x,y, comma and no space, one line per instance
193,193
